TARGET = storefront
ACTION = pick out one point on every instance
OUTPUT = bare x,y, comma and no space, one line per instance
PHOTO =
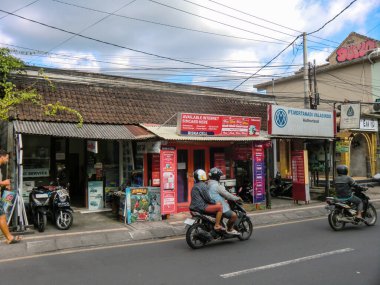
95,160
200,145
302,145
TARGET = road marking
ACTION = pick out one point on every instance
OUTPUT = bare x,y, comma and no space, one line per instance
286,223
284,263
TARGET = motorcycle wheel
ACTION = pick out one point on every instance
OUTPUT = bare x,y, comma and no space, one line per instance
245,228
41,222
192,236
371,215
333,221
64,220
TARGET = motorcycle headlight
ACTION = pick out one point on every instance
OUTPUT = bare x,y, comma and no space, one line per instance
62,198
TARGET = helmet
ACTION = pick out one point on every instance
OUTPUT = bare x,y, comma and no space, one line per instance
215,173
342,169
200,175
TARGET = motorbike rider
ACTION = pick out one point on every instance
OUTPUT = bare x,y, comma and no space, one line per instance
201,200
219,193
344,185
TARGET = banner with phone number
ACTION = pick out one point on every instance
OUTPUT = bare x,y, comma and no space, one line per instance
258,162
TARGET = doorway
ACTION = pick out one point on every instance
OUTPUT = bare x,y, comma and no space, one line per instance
189,159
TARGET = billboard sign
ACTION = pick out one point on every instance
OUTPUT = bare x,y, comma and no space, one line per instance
286,121
218,125
350,116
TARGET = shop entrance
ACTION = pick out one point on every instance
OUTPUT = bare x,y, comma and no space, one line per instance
189,159
359,164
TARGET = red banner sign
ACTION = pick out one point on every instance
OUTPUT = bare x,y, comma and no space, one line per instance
168,167
217,125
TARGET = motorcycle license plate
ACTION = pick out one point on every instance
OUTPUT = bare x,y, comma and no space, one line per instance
189,222
38,196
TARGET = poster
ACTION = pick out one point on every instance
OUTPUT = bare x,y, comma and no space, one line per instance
300,176
95,195
217,125
8,198
156,170
168,169
258,167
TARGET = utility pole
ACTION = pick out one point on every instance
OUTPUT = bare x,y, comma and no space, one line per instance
305,72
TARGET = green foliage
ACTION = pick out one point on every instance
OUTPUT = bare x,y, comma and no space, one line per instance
10,96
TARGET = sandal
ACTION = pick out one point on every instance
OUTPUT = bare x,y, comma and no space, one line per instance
16,239
220,229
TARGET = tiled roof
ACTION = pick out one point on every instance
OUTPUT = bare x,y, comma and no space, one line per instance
120,104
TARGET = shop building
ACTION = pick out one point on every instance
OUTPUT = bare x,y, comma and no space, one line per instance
350,76
113,150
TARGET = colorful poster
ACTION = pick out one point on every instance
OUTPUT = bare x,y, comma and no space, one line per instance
217,125
168,169
258,173
8,199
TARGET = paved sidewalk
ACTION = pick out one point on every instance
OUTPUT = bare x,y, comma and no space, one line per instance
102,229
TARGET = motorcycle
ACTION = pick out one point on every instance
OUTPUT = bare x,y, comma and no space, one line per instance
246,193
342,212
52,201
279,187
200,228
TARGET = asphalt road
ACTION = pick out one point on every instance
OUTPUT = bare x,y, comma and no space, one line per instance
307,252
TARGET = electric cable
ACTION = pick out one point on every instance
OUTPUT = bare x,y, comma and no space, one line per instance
27,5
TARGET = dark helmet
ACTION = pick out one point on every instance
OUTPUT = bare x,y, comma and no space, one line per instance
200,175
342,169
215,173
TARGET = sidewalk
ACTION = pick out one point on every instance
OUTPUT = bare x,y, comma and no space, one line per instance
102,229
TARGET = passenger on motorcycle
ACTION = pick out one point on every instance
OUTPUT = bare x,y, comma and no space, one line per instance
343,187
219,193
201,200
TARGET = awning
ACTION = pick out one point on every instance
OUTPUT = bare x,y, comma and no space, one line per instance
87,131
170,133
298,137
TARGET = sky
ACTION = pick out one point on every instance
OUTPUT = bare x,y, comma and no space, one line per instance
229,44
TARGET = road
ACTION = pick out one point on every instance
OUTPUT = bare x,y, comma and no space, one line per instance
306,252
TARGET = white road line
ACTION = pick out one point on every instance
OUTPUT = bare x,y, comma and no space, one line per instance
274,265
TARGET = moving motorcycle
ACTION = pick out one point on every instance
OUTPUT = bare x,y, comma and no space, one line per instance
200,229
280,187
342,212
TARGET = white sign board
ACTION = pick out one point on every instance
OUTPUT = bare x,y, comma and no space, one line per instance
369,125
350,116
286,121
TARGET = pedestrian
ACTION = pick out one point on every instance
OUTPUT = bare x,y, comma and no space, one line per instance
5,184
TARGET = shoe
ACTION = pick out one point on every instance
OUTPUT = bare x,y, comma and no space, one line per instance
233,232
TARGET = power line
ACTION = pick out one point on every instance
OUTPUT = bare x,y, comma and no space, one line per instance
27,5
116,45
267,63
265,20
221,23
337,15
167,25
97,22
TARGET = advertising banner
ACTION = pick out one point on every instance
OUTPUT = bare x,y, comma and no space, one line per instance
95,195
258,173
8,199
156,170
217,125
168,169
220,162
286,121
300,176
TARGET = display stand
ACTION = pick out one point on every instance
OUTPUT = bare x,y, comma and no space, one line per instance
18,211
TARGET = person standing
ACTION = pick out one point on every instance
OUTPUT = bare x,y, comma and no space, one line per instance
10,239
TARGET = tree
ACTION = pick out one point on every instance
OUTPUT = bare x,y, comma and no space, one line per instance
10,96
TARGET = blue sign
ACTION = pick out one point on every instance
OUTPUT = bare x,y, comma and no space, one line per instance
280,118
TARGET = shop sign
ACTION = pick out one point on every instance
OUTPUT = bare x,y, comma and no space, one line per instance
258,173
92,146
168,169
35,172
355,50
342,146
156,169
369,125
218,125
286,121
349,116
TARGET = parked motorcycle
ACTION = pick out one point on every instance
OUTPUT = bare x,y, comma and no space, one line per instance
53,202
246,193
200,229
279,187
39,199
342,212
